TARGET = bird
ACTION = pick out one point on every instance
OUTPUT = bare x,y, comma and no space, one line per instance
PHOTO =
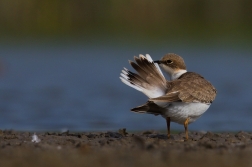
182,99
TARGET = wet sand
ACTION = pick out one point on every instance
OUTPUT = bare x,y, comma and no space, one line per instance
113,149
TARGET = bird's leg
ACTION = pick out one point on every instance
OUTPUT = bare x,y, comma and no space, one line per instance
168,122
186,129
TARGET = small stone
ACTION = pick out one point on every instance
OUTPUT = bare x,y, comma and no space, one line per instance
147,132
64,133
122,131
52,133
91,135
113,135
243,136
209,134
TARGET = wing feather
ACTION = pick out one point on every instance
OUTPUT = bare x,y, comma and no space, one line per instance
190,87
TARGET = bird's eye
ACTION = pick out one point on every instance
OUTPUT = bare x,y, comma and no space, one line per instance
169,61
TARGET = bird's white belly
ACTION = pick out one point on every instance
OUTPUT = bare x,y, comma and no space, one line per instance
179,111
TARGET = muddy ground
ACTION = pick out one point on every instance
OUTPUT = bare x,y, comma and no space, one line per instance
113,149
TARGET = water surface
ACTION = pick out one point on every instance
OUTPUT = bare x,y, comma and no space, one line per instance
76,86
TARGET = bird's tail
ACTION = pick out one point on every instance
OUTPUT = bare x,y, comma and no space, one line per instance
149,80
149,108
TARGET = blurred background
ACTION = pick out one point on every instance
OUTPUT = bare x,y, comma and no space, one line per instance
60,61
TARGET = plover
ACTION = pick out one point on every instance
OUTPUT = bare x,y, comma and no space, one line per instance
182,99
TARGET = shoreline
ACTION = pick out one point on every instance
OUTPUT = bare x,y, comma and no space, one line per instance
122,148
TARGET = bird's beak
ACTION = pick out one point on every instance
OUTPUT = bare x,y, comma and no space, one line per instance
157,61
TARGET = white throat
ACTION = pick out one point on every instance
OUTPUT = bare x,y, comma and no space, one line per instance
177,74
173,74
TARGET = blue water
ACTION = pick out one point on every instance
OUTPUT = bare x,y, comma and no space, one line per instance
76,86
